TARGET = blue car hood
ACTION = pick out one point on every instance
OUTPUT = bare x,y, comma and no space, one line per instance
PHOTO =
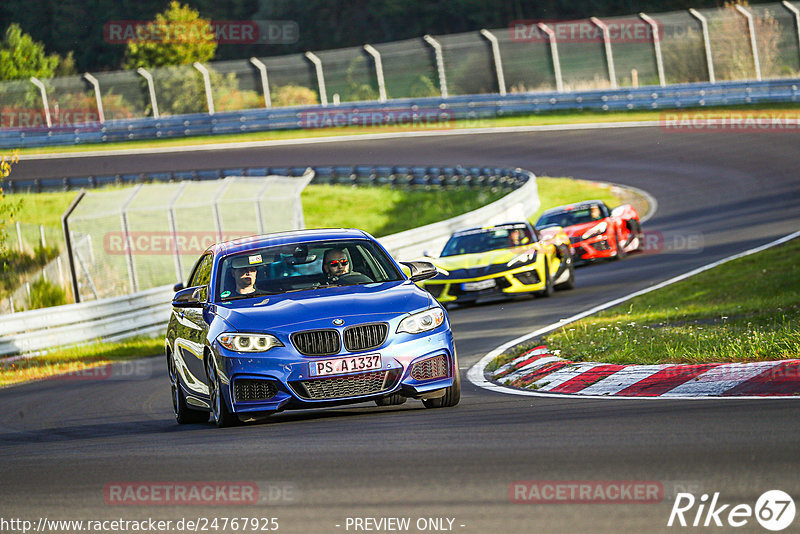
275,311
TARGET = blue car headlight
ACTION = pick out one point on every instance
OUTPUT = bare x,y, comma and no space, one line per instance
248,342
522,259
595,230
422,321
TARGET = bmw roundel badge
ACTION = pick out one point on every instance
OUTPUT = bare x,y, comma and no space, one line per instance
338,322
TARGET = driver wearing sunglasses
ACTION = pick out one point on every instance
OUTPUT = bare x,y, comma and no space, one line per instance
335,264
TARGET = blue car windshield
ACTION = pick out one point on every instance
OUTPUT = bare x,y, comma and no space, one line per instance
302,266
486,239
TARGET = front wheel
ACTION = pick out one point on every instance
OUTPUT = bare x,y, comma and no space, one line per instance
569,283
219,408
183,414
548,283
620,251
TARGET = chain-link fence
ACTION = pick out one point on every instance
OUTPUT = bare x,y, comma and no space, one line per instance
132,239
29,245
730,43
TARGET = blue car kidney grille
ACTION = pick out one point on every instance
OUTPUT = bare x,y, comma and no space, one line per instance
365,336
347,386
317,342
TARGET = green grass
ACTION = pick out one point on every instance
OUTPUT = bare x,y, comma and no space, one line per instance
383,211
541,119
77,359
558,191
744,310
390,211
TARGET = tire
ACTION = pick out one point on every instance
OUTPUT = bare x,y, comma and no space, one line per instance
636,229
183,414
620,255
570,282
220,414
548,283
395,399
452,394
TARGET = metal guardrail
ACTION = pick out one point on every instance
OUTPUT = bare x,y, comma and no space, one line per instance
409,111
366,175
147,312
516,206
117,317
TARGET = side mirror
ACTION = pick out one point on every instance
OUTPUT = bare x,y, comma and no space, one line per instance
177,287
618,211
191,297
421,270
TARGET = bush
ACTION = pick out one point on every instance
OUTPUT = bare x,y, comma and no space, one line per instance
45,294
423,87
293,95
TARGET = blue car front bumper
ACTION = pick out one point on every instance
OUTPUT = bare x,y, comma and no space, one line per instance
417,366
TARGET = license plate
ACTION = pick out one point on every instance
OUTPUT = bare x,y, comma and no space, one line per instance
351,364
477,286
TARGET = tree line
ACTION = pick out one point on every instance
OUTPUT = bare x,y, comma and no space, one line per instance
77,30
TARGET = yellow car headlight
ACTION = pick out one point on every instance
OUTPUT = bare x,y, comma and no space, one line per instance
522,259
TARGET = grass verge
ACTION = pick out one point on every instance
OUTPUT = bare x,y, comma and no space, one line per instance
744,310
83,362
392,210
540,119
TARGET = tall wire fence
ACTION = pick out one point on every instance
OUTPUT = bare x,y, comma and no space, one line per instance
131,239
665,48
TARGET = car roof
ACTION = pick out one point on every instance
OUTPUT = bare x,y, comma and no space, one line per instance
574,206
286,238
509,225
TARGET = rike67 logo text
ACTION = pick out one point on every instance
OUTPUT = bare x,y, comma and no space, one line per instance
774,510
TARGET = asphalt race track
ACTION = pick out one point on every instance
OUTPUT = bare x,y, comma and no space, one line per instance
64,441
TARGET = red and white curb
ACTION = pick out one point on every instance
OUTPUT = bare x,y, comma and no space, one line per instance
539,373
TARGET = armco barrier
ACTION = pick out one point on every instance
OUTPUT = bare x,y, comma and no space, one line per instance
367,175
118,317
433,112
147,312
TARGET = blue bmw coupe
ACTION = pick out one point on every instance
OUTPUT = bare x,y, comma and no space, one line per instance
305,319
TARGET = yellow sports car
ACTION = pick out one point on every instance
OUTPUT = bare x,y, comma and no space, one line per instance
503,260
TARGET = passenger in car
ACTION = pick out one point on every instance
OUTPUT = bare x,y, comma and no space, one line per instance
335,264
244,276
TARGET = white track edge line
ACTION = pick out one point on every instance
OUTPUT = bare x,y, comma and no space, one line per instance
476,373
336,139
